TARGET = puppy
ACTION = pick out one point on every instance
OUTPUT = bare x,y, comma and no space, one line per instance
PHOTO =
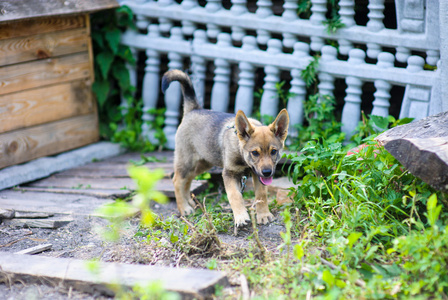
239,145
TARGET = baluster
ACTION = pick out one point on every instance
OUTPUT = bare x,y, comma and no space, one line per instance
432,57
269,99
173,94
347,12
188,4
295,102
165,24
318,11
290,10
142,22
402,54
382,95
413,93
326,81
351,112
244,99
199,66
263,11
220,90
376,15
415,64
375,24
212,7
245,94
238,8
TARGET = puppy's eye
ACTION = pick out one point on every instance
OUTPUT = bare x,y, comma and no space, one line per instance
273,152
255,153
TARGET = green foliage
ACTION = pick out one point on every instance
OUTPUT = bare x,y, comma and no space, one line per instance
112,83
309,74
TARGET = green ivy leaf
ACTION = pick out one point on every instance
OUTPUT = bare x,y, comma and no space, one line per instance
121,73
113,39
104,60
328,278
101,89
353,237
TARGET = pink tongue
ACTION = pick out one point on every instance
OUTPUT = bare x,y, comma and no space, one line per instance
266,181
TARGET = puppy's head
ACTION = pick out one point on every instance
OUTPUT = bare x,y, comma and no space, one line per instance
262,144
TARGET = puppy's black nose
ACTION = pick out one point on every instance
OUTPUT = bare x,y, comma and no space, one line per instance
267,172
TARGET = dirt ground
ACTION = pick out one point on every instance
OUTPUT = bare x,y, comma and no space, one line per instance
81,239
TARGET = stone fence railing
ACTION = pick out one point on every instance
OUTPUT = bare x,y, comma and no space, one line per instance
251,35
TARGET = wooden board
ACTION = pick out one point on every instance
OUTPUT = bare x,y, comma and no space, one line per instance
107,170
50,202
103,193
40,26
39,73
164,156
165,185
42,46
45,104
72,273
25,9
51,138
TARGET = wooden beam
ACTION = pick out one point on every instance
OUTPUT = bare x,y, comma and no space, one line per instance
43,46
40,26
27,144
191,283
25,9
39,73
45,104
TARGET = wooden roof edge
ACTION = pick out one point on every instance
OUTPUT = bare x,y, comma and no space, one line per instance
15,10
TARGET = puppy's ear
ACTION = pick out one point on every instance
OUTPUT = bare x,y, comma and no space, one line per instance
280,126
243,127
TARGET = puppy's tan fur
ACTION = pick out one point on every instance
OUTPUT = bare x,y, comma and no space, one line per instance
237,144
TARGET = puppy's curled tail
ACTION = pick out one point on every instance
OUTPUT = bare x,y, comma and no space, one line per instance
190,101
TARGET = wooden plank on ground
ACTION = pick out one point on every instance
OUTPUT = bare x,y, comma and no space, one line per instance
38,73
45,104
50,203
191,283
109,194
106,169
40,26
35,249
38,223
163,156
42,46
27,144
165,185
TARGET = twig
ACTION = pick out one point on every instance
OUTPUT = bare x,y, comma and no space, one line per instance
255,229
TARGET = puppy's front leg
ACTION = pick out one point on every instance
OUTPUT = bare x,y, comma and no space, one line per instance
264,216
232,184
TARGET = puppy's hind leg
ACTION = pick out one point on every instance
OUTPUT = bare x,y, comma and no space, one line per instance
182,184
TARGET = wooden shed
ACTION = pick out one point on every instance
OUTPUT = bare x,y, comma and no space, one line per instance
46,73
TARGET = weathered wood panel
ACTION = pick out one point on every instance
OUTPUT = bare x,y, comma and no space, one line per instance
165,185
51,138
72,273
25,9
50,202
46,104
39,73
42,46
103,193
40,26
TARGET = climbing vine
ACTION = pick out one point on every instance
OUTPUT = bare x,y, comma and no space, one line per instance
120,112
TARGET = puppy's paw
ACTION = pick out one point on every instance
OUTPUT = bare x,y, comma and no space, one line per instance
188,210
241,219
264,218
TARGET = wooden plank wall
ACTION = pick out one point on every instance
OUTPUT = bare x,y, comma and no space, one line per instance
46,73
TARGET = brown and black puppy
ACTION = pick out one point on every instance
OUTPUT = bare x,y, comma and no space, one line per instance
237,144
